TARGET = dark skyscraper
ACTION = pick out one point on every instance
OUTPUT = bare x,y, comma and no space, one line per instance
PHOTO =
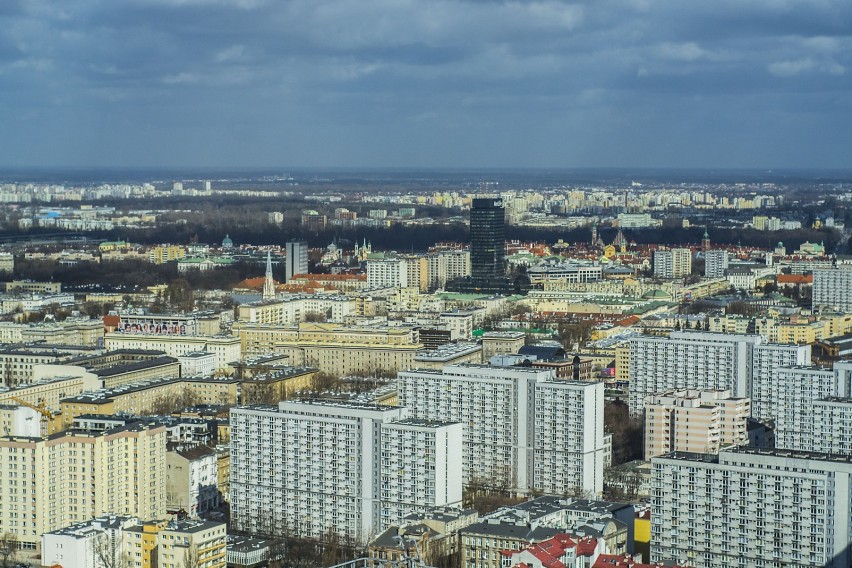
487,239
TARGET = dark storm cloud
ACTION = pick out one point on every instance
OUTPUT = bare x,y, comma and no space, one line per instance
426,82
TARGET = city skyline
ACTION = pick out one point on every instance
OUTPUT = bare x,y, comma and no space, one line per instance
251,83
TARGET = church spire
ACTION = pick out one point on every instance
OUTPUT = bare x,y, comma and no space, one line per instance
269,282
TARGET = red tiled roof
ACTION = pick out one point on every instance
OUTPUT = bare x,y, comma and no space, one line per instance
331,277
623,561
795,279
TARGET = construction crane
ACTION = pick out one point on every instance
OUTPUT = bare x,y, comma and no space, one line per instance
46,415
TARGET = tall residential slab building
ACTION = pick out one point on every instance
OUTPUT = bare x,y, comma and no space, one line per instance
715,263
832,425
308,468
522,426
752,507
672,263
296,259
73,476
833,289
487,239
700,421
744,364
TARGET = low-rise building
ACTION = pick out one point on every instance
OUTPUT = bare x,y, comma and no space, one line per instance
192,479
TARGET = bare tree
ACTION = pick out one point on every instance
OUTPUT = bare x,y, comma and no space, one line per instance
8,549
107,553
190,557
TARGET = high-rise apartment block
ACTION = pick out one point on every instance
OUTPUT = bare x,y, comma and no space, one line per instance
833,288
672,263
296,259
804,419
700,421
715,263
355,469
522,426
752,507
388,273
73,476
743,364
487,239
832,425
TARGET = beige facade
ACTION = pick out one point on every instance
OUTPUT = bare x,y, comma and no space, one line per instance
226,348
694,421
73,331
145,396
50,392
501,343
332,348
49,483
622,363
176,544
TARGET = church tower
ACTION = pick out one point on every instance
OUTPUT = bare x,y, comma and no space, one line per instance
269,282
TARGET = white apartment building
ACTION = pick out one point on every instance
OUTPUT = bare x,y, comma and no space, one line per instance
743,364
295,260
197,364
833,288
192,479
715,263
672,263
832,425
794,393
311,467
95,543
522,425
388,273
752,507
294,309
700,421
18,420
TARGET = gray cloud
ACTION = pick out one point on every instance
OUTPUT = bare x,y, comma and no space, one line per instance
426,82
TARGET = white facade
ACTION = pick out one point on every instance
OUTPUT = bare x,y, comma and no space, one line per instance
423,451
92,544
226,349
315,466
832,425
296,259
811,410
715,263
16,420
522,426
197,364
388,273
752,507
743,364
833,288
192,480
673,263
291,309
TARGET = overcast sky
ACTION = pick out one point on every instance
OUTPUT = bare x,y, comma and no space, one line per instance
431,83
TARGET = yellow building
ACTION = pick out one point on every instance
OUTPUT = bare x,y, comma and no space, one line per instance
52,482
164,253
501,343
145,397
275,385
176,544
332,348
622,362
